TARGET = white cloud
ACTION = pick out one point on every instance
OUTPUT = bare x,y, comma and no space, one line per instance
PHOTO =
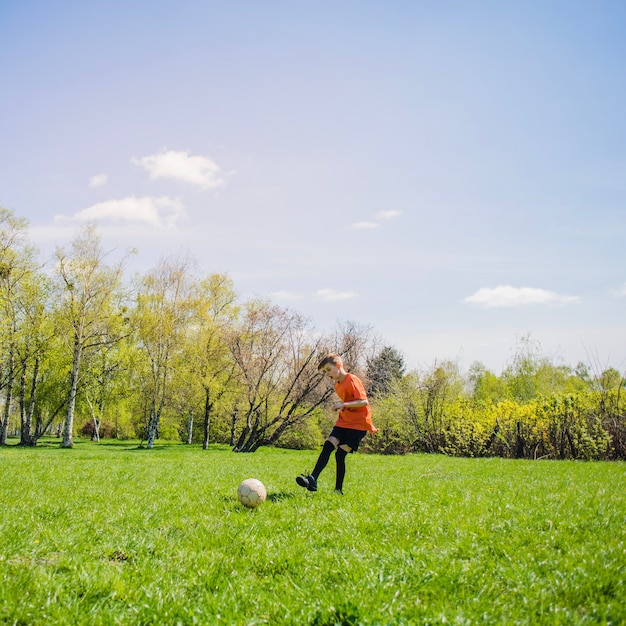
98,180
387,215
285,295
507,296
161,212
364,225
179,165
330,295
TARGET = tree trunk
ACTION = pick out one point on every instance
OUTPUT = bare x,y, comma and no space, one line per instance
24,425
68,436
158,402
100,412
95,436
493,436
519,442
251,434
247,429
4,429
190,428
572,444
255,437
233,427
42,427
207,418
242,439
276,434
253,444
153,426
31,402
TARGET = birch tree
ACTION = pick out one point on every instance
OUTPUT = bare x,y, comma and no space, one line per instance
31,349
16,265
162,315
90,308
104,385
215,368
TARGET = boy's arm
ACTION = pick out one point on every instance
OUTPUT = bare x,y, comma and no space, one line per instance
353,404
357,390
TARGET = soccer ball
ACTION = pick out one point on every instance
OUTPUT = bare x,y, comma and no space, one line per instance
251,493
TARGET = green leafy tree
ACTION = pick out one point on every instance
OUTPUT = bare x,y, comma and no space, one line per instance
34,340
89,310
17,266
162,317
485,386
530,374
105,388
439,386
214,366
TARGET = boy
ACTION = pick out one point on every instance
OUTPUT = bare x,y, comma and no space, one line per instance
355,419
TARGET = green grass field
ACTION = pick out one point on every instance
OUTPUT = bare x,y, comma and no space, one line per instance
109,534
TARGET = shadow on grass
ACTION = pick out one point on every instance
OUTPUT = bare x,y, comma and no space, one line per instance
275,496
279,496
174,446
124,445
144,448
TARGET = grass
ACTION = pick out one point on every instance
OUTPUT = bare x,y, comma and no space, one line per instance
110,534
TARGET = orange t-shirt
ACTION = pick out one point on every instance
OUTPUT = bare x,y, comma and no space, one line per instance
349,389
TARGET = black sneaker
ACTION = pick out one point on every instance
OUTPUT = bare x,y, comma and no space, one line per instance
307,481
339,492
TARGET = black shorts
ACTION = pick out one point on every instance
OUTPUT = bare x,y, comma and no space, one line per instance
348,436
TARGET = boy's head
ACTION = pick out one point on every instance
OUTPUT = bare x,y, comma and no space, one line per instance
332,366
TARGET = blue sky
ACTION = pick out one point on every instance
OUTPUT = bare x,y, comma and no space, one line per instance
451,173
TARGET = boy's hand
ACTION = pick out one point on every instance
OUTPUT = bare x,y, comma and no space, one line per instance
337,406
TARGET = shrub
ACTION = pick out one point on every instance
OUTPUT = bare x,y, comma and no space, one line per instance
107,429
305,435
466,430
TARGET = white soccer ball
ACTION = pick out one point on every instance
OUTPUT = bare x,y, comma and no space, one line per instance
251,493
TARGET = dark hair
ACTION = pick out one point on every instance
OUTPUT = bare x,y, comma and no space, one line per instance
329,359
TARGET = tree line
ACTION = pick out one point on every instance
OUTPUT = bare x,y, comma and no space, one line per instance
535,409
166,354
172,354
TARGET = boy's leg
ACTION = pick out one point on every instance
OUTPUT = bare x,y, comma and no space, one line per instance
323,458
340,458
310,482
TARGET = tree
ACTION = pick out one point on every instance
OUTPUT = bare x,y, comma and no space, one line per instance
355,344
276,355
438,387
384,368
414,415
162,316
531,374
34,341
50,397
16,266
90,309
104,387
214,366
485,386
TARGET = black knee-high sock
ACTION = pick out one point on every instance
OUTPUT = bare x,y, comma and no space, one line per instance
340,458
322,459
